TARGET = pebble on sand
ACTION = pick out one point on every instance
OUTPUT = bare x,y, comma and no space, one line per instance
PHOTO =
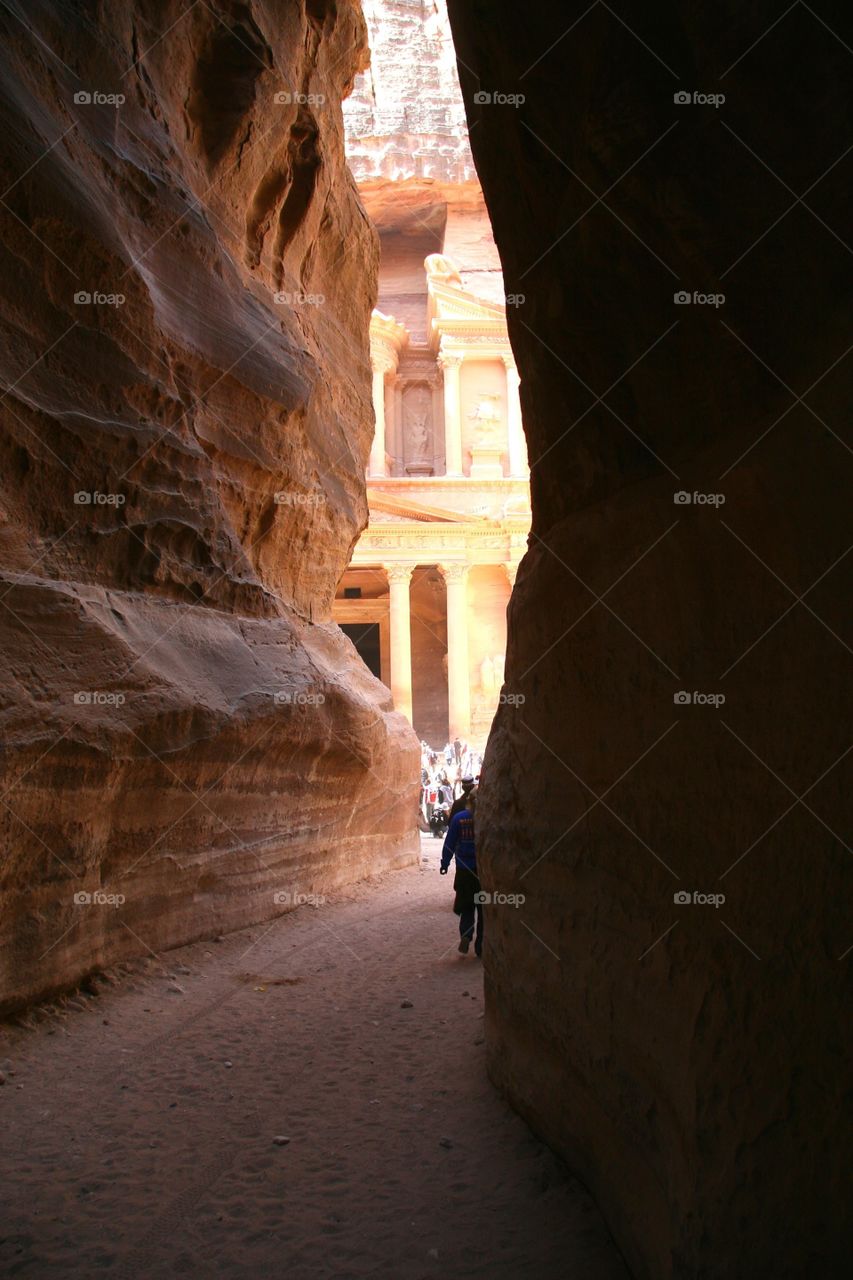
406,1004
280,1140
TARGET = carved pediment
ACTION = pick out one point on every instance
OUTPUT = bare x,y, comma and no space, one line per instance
458,304
387,509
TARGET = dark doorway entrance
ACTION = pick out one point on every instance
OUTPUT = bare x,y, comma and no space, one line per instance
365,637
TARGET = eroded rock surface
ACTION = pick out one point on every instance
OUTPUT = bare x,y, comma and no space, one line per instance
187,282
407,144
685,1057
406,118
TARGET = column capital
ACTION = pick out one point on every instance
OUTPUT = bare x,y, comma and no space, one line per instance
509,361
448,360
387,339
382,359
453,572
511,567
399,572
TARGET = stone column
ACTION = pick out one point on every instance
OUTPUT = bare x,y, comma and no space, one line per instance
399,578
517,444
381,366
458,688
452,415
511,567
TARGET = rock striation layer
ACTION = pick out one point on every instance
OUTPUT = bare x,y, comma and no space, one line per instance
405,118
666,1007
189,743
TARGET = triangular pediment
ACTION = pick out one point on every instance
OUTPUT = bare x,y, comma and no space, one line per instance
449,302
455,304
388,509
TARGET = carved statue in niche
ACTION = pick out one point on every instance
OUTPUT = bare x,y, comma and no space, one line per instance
492,674
486,415
417,423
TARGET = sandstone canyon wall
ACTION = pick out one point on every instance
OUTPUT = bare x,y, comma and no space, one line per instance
686,1055
187,280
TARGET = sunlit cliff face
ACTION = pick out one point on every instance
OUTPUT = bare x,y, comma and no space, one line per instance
184,478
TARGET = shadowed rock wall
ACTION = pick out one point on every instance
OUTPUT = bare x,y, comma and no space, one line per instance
187,283
682,1049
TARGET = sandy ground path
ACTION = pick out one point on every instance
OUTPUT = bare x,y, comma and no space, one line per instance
138,1124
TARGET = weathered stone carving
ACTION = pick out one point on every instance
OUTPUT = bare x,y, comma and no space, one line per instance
440,268
417,422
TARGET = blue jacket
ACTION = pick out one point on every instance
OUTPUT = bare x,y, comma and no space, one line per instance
459,842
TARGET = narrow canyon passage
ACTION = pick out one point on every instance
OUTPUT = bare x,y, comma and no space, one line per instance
398,398
140,1130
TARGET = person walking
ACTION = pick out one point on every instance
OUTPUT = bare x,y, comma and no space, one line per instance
459,845
461,800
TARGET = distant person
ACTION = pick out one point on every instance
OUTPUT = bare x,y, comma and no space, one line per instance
461,800
459,844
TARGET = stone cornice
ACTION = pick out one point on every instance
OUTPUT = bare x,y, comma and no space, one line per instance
411,484
417,543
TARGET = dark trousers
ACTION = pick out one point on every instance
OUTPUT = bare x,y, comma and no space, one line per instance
466,924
